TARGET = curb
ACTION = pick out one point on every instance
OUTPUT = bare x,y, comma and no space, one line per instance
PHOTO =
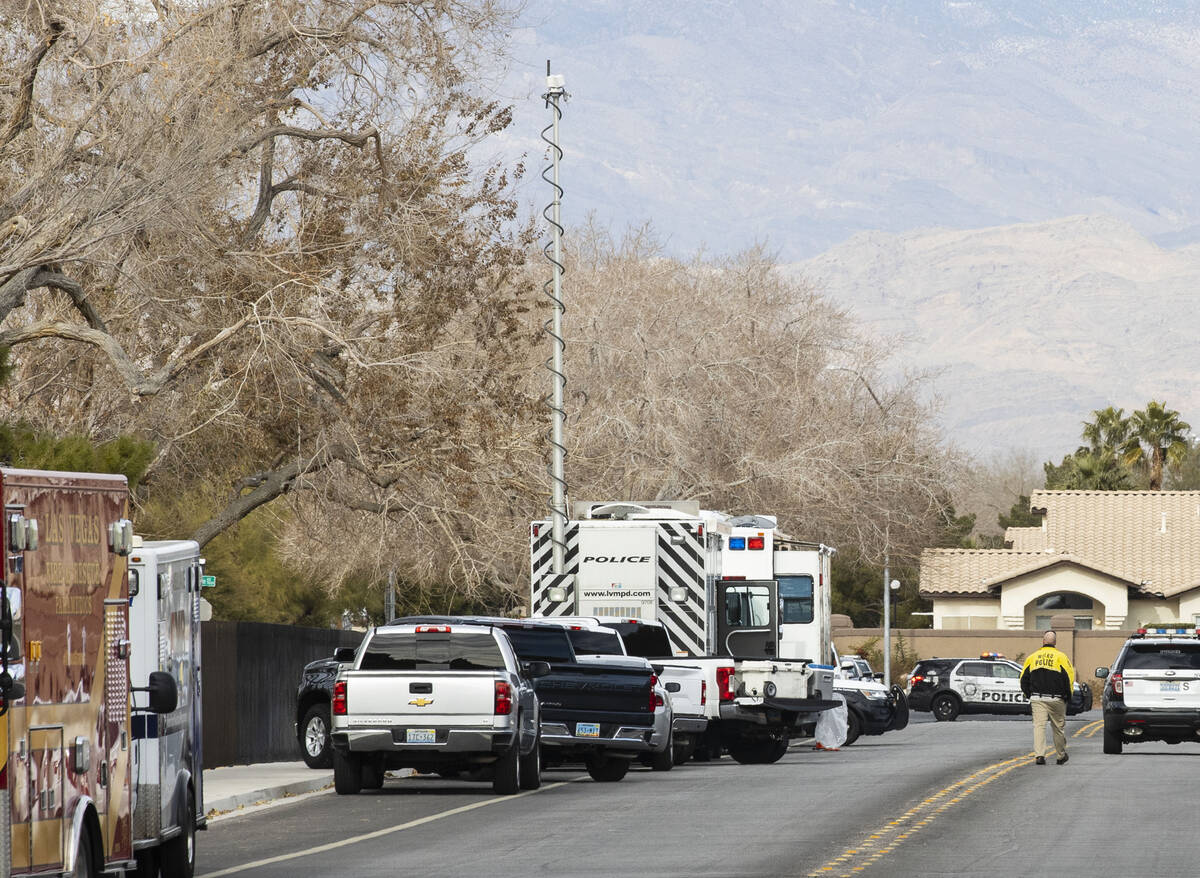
320,781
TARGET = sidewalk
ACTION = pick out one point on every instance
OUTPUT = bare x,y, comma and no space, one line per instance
239,787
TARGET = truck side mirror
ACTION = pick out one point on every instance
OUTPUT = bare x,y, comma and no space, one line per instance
164,695
673,686
1101,673
344,654
533,670
10,689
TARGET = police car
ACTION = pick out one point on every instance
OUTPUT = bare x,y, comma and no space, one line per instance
1152,691
871,707
988,684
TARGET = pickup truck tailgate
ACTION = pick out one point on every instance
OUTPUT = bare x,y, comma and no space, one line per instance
374,697
605,693
691,680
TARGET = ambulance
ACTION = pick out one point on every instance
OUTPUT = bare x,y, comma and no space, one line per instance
66,803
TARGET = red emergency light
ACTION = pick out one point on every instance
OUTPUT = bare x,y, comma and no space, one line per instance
759,542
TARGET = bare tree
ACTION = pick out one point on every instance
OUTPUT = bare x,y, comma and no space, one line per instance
251,232
723,381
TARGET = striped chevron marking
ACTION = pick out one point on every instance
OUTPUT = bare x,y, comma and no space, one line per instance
541,557
681,565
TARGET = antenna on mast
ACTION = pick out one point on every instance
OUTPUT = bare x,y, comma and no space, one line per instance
556,92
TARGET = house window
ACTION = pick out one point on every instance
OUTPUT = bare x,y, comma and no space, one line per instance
1064,600
962,623
1083,623
1041,623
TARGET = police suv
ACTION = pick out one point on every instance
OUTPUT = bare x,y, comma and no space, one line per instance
988,684
1152,691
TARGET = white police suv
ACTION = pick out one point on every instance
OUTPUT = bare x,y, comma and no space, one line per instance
1152,691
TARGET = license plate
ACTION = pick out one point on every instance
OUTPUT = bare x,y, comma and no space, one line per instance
1171,686
587,730
420,736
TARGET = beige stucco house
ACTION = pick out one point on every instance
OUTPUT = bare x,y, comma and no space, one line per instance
1112,559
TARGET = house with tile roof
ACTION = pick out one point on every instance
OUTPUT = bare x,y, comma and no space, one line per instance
1112,559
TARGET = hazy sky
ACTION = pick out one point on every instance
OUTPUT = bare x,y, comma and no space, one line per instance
801,123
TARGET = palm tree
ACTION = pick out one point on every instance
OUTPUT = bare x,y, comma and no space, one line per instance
1160,430
1098,471
1109,428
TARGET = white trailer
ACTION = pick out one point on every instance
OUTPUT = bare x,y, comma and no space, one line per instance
165,612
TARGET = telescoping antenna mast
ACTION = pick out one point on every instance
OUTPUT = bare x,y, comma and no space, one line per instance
556,92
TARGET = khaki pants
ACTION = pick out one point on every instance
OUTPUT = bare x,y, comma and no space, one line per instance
1054,710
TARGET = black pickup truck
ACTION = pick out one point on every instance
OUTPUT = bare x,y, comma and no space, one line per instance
597,713
312,712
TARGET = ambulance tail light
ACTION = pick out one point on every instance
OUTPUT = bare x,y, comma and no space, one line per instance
725,683
504,702
339,698
537,529
1118,683
756,543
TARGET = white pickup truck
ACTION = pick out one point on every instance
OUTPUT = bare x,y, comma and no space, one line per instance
448,698
750,707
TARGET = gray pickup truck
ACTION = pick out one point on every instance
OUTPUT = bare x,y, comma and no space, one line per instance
449,697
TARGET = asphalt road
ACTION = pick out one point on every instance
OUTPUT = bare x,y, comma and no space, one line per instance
961,798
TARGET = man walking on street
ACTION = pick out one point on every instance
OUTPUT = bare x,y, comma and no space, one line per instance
1047,680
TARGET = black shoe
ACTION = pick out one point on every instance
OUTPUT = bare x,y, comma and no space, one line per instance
1064,759
1041,760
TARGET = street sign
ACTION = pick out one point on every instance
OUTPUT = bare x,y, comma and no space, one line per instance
208,582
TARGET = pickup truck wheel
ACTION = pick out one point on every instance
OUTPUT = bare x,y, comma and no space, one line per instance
347,773
607,769
665,760
746,752
531,766
373,772
853,727
507,779
945,708
1112,742
683,749
314,737
759,752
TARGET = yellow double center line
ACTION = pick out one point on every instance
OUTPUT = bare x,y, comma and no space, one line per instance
1089,730
883,841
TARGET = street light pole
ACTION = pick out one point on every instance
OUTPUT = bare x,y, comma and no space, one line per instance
887,623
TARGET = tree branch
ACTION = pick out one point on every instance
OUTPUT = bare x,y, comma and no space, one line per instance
313,134
22,118
78,297
269,486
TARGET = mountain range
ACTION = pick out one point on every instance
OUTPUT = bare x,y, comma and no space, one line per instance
1009,184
